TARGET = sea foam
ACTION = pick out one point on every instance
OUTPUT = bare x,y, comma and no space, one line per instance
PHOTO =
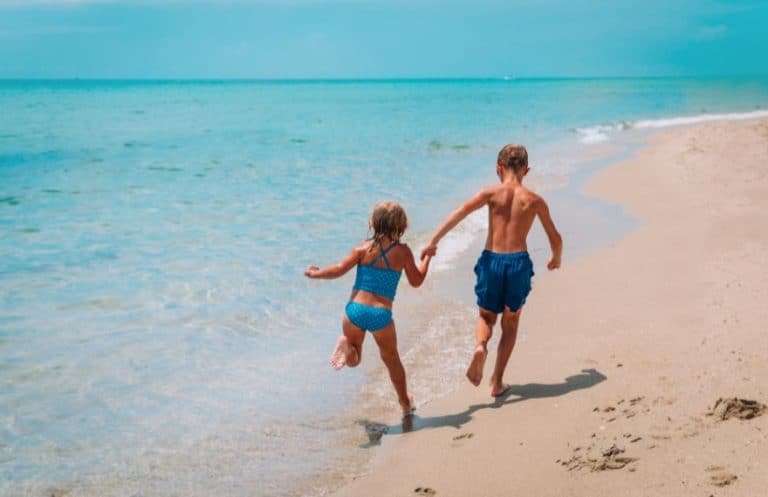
602,133
701,118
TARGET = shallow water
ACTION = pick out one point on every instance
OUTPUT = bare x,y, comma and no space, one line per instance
157,336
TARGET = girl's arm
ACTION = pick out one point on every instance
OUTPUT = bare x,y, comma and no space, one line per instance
416,274
336,270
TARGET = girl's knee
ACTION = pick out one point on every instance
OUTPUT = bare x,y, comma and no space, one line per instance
389,356
353,362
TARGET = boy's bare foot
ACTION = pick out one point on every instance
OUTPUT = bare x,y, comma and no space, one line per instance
408,407
339,355
475,370
499,390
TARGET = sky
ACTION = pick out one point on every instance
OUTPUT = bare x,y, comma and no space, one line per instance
381,38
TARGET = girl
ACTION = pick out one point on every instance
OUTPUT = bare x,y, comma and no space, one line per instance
380,261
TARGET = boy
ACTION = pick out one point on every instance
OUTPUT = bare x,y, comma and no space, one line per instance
504,269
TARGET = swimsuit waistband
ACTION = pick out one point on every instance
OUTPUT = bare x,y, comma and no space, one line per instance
507,255
370,306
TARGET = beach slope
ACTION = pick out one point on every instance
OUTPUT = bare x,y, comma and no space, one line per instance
615,389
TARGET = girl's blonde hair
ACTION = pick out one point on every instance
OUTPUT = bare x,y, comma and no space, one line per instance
388,220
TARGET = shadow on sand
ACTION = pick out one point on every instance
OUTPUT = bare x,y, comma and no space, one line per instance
515,393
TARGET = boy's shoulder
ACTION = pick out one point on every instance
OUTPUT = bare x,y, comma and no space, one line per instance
530,193
519,190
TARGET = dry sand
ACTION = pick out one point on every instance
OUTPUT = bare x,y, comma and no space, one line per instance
628,350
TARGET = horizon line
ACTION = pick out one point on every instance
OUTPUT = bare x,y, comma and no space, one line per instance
368,79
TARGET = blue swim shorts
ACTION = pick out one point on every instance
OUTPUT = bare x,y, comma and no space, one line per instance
503,280
367,317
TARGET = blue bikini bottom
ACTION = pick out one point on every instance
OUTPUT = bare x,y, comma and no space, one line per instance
368,317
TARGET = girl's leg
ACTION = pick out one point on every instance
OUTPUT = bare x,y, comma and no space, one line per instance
386,339
349,347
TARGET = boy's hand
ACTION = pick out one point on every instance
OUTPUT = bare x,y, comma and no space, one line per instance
553,263
428,251
310,271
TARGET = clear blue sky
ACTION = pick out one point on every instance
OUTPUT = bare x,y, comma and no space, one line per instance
380,38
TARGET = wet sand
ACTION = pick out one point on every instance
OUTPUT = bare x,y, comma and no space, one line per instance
641,360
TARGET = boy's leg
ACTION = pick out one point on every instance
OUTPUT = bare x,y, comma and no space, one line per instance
482,334
386,339
349,347
509,323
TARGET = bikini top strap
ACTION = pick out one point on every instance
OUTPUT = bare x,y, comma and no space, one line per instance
383,255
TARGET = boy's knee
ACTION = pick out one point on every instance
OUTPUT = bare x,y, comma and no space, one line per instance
488,316
510,317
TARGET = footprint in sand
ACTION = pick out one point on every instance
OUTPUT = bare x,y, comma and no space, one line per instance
464,436
720,477
610,459
692,428
737,408
660,432
664,401
424,491
375,431
660,436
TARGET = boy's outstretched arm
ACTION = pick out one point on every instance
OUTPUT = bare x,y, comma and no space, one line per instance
555,240
336,270
416,274
478,200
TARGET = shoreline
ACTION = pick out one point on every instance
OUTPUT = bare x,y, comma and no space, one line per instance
347,435
426,458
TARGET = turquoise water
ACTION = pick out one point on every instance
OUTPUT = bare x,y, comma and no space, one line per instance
157,336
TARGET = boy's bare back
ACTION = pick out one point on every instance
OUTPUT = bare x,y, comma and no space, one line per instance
511,211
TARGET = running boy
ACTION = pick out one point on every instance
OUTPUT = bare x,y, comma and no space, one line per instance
504,269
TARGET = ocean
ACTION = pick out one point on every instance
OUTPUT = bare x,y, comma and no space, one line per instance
157,335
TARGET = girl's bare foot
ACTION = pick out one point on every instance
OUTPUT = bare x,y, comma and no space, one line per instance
339,355
475,370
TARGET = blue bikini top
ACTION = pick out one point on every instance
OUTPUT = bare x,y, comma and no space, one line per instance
378,280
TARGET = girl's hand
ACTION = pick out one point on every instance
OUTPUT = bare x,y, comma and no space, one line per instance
311,270
428,251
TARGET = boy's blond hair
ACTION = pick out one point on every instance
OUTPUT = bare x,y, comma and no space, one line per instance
513,156
388,220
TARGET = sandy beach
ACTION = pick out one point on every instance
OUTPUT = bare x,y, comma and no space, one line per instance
628,350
